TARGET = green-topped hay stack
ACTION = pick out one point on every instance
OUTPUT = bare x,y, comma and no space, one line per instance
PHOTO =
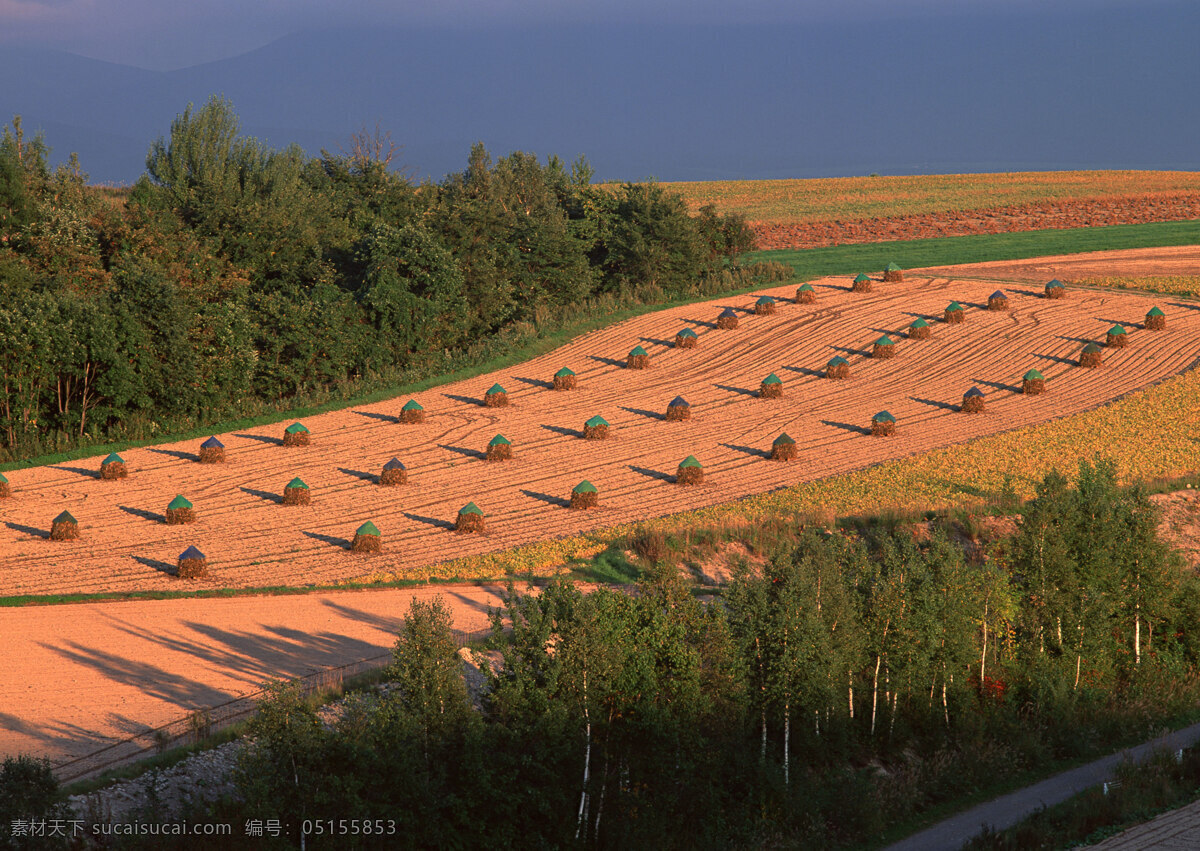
470,520
954,314
499,449
783,448
678,410
686,339
565,379
1156,320
180,511
771,387
1092,356
496,397
998,300
727,319
689,472
884,348
837,368
296,435
412,412
883,424
367,539
192,564
296,493
212,451
1033,383
64,527
861,283
805,294
393,473
972,402
5,489
765,306
584,495
1055,289
596,429
919,329
1117,338
893,274
638,358
113,467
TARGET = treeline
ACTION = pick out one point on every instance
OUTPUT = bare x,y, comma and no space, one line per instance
856,680
234,278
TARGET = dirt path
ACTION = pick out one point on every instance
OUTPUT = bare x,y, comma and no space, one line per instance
252,540
79,678
1007,810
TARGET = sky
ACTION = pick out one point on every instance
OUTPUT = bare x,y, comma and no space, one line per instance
165,35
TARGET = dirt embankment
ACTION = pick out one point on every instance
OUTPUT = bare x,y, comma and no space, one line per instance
1129,210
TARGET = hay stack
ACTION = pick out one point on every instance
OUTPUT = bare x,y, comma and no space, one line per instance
192,564
883,424
1156,320
412,412
1055,289
805,294
596,429
638,358
1116,338
919,329
367,539
689,472
678,410
496,397
113,467
838,368
884,348
499,449
953,314
565,379
180,511
686,339
1092,356
727,319
394,473
64,527
771,387
296,435
296,493
972,402
765,306
5,490
893,274
212,451
1033,383
998,301
862,284
584,495
470,520
783,448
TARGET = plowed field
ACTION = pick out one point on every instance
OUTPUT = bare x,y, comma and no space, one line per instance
252,540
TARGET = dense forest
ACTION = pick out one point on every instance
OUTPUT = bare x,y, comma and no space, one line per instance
857,679
234,279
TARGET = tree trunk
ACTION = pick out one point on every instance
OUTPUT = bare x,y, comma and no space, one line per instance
983,655
875,692
587,759
1137,634
787,741
850,700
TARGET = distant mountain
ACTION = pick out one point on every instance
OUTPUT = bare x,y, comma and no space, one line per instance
1106,89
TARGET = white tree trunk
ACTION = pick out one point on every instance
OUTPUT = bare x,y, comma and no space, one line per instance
587,760
787,741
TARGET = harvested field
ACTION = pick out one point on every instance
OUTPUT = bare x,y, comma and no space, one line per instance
249,542
87,677
840,211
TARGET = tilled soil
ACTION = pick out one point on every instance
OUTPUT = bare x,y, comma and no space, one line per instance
1135,209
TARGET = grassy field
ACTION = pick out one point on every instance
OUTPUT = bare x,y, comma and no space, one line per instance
848,198
1182,285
